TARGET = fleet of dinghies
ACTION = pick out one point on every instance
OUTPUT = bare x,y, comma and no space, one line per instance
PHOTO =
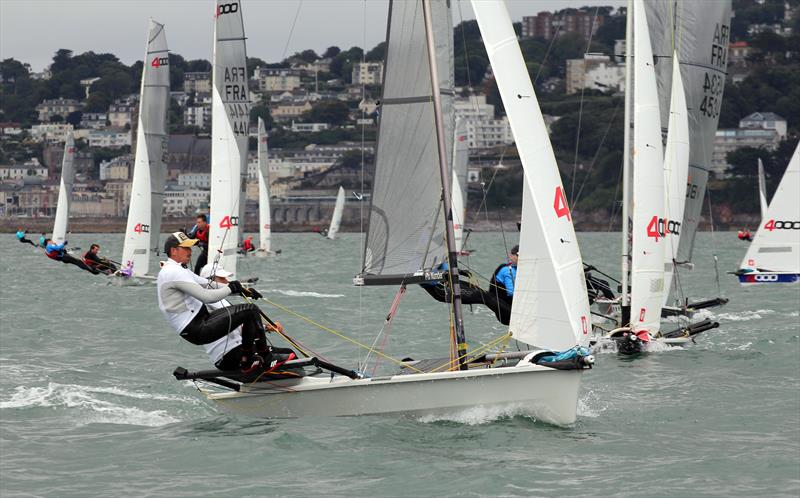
672,103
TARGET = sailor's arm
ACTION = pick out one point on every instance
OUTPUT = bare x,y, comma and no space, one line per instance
201,294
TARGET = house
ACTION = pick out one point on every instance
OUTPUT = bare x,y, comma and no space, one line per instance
595,72
51,131
110,138
287,112
57,107
766,121
122,112
367,73
197,82
276,79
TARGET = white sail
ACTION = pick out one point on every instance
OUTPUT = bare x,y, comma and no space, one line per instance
61,223
647,265
762,189
147,189
776,246
230,113
336,219
459,182
550,308
264,229
676,172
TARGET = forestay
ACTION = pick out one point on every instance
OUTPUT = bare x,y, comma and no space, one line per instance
149,169
700,33
459,185
676,170
230,111
61,223
336,219
406,222
647,242
776,246
264,214
550,308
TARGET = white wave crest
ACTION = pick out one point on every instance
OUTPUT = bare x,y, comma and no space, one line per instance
85,398
743,316
305,293
479,415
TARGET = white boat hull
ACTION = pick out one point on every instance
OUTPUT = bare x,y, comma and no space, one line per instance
541,392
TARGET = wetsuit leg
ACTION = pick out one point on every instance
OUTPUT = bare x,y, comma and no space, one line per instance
70,260
202,259
209,327
26,241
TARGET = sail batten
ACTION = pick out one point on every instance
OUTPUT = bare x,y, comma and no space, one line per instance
230,111
61,223
550,308
149,169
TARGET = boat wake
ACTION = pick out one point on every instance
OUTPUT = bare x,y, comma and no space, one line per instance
743,316
305,294
478,415
96,405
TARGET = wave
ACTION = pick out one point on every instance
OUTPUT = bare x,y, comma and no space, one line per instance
743,316
305,293
87,398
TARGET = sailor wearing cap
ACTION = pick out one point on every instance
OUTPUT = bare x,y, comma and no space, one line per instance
183,296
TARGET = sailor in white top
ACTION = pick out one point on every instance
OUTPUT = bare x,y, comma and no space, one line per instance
183,296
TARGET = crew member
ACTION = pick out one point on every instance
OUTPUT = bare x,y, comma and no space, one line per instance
43,240
745,235
58,252
505,275
21,237
247,245
92,258
200,232
182,296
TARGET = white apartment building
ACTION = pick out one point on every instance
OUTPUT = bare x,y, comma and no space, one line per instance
765,121
367,73
195,180
729,140
121,112
276,79
116,169
20,171
51,131
109,138
180,200
594,72
57,107
199,116
483,130
309,127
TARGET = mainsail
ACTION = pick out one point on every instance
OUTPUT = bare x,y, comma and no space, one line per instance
699,32
762,190
550,308
647,265
65,191
230,113
336,219
676,170
149,173
459,185
264,229
406,223
776,246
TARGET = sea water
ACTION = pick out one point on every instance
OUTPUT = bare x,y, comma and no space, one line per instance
88,405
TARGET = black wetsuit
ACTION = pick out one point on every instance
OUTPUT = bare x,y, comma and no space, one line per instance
98,263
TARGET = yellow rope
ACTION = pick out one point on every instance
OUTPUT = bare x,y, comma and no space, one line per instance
476,352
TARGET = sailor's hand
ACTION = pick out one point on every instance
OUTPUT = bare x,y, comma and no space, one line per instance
236,287
253,294
275,328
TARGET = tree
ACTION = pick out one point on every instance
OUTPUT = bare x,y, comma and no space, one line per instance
334,112
331,52
261,111
378,53
74,118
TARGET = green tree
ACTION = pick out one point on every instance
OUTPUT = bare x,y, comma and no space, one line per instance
261,111
334,112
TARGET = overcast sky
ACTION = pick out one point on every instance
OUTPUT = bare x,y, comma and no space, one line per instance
32,30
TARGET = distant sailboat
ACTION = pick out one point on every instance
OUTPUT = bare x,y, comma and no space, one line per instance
149,170
264,213
61,224
762,190
336,219
774,255
460,161
230,118
552,312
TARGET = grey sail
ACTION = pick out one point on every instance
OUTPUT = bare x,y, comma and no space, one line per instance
405,235
153,120
699,32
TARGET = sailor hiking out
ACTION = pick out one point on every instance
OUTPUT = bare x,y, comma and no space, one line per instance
197,313
58,252
93,259
21,237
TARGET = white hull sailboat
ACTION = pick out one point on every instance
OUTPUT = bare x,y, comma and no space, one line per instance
774,255
551,311
149,169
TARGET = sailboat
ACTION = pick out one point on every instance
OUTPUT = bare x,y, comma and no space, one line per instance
61,223
336,219
762,190
149,170
264,214
230,117
699,32
459,181
551,311
774,255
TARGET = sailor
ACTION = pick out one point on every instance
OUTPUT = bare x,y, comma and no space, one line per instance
58,252
183,296
93,259
247,245
43,240
745,235
200,232
21,237
505,275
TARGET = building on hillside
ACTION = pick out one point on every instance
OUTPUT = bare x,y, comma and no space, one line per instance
309,127
319,65
93,205
188,153
550,25
197,115
367,73
483,130
57,107
10,128
195,180
121,192
20,171
197,82
288,112
122,113
94,120
729,140
111,139
116,169
766,121
276,79
594,72
184,200
54,132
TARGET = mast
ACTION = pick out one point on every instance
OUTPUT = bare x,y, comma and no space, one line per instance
626,188
452,257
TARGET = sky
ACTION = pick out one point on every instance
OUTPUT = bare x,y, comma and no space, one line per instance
32,30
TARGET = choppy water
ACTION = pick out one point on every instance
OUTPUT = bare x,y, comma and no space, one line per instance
88,406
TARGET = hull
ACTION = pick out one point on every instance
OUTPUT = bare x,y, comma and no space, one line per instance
761,278
544,393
